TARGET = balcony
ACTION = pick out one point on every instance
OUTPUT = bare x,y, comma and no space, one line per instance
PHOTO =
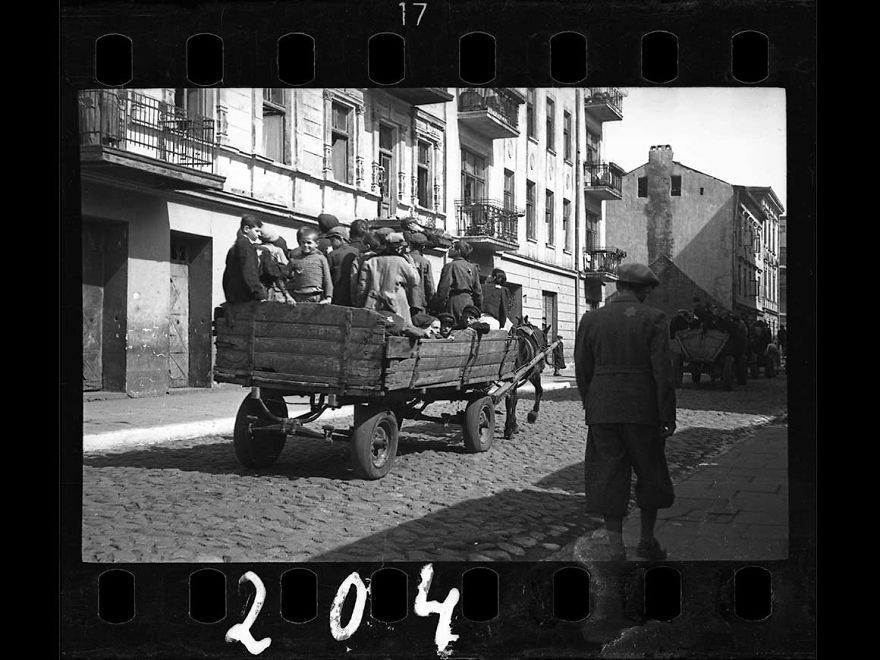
491,111
602,263
136,138
603,181
488,223
604,103
420,95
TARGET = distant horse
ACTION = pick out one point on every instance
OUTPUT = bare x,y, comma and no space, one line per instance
531,341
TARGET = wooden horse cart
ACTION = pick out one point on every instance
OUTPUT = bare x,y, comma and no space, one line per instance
340,356
702,352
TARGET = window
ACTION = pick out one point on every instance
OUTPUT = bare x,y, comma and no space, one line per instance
509,191
423,175
549,219
701,191
592,147
643,186
340,142
566,224
592,235
530,210
530,112
473,176
675,182
566,135
195,101
386,161
551,125
274,113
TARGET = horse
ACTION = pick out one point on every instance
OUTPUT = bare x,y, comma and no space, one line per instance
531,340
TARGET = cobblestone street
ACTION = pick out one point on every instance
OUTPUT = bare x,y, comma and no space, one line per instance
191,501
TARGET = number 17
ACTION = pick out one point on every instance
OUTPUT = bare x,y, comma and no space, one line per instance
423,5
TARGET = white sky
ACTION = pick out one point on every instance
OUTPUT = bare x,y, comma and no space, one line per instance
734,134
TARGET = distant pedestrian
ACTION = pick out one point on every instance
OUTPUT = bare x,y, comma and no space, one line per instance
308,273
782,338
241,277
624,373
558,356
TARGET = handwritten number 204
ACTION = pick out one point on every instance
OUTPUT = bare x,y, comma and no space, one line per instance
402,5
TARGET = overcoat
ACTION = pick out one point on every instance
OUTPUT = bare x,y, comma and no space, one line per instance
459,286
422,294
623,364
384,284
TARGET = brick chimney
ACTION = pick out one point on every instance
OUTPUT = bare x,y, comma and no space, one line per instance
658,207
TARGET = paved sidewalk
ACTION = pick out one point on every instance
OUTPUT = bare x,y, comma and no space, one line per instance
114,421
734,507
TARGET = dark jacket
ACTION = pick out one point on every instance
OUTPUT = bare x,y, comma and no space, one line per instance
497,301
459,276
340,261
241,278
623,364
423,293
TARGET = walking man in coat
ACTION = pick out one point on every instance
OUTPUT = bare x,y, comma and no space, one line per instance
623,369
241,277
459,284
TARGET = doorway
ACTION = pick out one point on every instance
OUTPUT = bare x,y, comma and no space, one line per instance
189,311
550,313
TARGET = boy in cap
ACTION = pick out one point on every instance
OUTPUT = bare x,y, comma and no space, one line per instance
624,373
241,277
308,274
340,261
447,324
425,292
459,284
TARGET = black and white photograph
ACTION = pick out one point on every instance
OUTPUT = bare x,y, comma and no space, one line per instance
474,324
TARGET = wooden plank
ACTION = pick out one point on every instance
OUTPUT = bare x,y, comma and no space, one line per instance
294,383
232,342
233,358
402,347
438,347
297,346
313,313
325,368
374,335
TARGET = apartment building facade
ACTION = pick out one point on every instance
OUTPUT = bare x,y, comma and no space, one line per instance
723,238
167,174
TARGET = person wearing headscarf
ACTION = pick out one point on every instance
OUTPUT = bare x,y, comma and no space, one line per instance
273,265
459,284
497,300
386,280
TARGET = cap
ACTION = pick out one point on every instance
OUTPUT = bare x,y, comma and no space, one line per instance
637,274
418,238
338,230
327,221
472,309
446,316
269,233
394,237
383,231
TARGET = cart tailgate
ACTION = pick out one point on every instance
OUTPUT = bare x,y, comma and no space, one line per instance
326,347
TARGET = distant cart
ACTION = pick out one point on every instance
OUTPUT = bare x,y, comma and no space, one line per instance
341,356
702,352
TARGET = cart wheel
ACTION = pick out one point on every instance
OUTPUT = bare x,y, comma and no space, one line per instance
695,373
479,425
374,443
727,373
678,369
263,448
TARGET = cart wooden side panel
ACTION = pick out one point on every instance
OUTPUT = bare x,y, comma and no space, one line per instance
465,358
324,348
701,346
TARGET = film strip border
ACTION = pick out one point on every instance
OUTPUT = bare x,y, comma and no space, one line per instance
538,607
421,610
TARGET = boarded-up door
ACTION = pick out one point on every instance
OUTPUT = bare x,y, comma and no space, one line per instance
178,362
93,307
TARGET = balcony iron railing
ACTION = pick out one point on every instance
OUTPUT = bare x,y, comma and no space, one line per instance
603,260
487,217
139,124
610,96
603,175
492,99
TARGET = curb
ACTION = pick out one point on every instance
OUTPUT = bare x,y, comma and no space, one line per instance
157,435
